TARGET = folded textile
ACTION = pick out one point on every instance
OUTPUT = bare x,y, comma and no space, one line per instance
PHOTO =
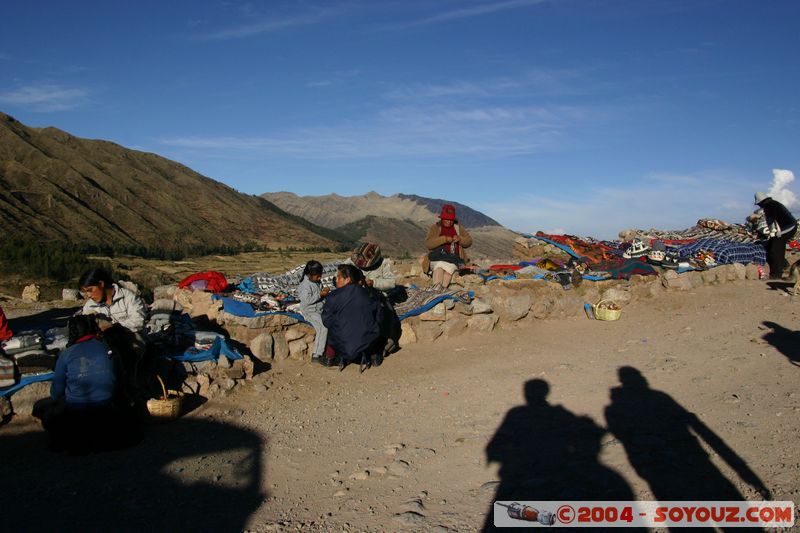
705,228
55,339
22,340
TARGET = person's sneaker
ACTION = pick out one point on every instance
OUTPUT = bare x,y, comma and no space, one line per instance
327,362
389,348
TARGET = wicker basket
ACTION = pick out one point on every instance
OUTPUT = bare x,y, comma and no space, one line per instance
168,406
602,313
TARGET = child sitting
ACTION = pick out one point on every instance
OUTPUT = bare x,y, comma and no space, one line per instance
311,294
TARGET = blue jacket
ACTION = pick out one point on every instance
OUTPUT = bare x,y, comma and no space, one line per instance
353,319
85,373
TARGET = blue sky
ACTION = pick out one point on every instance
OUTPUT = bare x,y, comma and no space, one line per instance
584,116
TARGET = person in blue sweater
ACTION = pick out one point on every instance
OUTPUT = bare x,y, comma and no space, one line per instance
85,388
353,319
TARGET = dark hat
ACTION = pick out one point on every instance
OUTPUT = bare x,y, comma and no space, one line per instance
448,212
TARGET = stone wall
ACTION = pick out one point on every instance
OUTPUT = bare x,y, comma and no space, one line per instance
497,306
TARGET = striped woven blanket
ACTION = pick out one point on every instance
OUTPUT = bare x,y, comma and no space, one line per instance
263,283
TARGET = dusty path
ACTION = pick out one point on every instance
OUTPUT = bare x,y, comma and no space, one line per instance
403,447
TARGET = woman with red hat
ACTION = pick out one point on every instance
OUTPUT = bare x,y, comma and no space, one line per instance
446,241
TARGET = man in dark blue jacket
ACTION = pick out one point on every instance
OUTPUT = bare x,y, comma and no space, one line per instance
782,226
353,319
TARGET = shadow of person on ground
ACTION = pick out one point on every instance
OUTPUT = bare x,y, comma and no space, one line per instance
187,475
548,453
659,438
784,340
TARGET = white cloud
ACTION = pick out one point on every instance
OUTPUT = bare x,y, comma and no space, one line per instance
468,12
661,202
45,98
779,188
260,24
414,130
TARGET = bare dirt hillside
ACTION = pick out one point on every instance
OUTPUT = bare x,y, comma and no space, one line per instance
403,447
399,223
54,186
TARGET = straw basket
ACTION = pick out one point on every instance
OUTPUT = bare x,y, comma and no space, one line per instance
603,313
168,406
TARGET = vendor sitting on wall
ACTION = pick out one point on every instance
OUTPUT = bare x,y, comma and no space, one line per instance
377,270
120,315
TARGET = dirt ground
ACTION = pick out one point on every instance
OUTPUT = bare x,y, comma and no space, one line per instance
403,447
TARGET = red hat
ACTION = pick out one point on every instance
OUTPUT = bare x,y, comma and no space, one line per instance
448,212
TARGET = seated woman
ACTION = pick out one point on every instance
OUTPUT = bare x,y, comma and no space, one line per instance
120,315
353,319
116,304
85,387
377,270
446,241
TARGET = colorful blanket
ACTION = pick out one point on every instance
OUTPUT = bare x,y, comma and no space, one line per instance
263,283
727,252
584,249
730,232
421,300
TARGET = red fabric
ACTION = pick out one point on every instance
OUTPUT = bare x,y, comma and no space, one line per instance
592,252
450,231
215,281
505,267
448,212
85,338
5,331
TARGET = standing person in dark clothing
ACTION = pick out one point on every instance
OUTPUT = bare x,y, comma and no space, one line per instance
782,226
353,320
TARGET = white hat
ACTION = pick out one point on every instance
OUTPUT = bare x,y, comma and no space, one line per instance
760,197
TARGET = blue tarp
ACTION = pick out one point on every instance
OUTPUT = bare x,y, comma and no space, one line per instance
243,309
25,381
220,347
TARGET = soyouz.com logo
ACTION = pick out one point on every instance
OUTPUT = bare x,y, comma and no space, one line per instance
644,514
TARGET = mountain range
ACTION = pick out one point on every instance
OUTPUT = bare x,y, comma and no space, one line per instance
399,223
58,187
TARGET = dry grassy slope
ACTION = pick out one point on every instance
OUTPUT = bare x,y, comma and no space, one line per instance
398,223
56,186
332,211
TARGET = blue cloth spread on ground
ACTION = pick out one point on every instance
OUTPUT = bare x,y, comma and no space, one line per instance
431,304
24,382
220,347
246,310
